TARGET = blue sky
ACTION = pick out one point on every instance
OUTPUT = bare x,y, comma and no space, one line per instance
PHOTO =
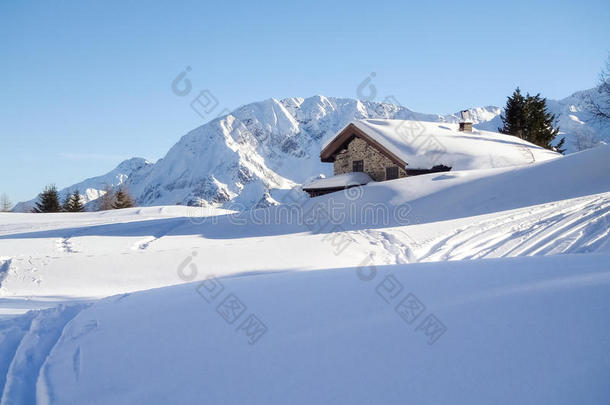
87,84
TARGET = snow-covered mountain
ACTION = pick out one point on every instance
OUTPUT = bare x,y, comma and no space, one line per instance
246,158
576,123
249,157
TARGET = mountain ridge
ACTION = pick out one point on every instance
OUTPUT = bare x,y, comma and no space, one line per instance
249,156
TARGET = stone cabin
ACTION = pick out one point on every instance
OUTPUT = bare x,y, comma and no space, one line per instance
358,155
353,150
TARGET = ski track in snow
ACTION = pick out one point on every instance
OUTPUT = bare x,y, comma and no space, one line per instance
548,229
574,226
29,345
146,242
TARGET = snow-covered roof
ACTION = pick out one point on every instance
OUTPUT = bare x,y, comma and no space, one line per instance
339,181
423,145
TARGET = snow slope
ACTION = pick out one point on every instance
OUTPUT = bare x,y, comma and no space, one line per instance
526,330
250,157
441,216
473,286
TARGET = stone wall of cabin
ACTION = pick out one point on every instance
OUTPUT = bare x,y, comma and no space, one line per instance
375,162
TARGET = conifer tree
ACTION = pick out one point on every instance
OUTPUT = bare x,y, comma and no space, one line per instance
527,118
65,206
559,147
73,202
48,200
539,128
123,199
77,202
514,115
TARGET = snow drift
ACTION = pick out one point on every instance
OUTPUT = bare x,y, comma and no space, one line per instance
506,331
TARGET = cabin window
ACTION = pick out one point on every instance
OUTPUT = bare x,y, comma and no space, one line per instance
358,166
391,173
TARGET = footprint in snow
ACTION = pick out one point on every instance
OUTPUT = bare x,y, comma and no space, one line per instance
65,245
143,244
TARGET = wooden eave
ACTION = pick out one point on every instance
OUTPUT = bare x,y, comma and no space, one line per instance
350,131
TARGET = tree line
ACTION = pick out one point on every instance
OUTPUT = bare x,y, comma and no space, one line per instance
48,200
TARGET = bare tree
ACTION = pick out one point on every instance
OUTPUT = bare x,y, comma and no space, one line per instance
107,200
598,103
5,203
585,138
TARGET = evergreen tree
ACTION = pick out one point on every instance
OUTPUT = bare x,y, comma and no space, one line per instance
527,118
48,200
73,202
65,206
77,202
123,199
514,115
539,128
559,147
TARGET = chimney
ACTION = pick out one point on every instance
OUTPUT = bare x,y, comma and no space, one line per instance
465,123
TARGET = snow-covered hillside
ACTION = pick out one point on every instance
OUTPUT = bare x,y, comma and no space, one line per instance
424,287
250,157
504,331
558,206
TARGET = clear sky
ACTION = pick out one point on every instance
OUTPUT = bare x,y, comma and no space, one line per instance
85,84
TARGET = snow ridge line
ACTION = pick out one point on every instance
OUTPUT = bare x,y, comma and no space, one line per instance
45,330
